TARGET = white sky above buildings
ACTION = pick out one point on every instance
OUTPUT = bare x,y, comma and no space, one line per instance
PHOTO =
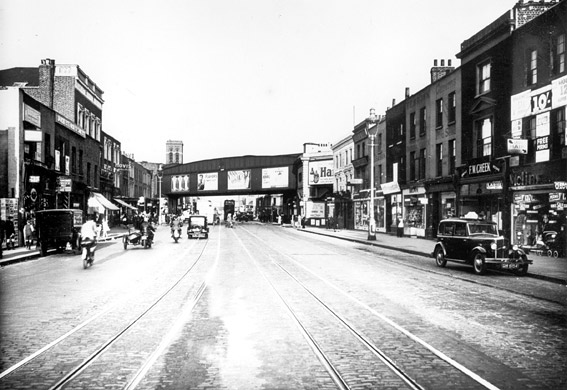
237,77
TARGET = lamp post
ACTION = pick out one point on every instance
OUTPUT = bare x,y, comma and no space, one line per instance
159,176
371,131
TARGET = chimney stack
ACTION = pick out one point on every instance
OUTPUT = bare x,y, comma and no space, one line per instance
438,72
407,92
393,102
47,81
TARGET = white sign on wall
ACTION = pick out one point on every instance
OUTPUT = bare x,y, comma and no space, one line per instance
275,177
321,172
208,181
238,180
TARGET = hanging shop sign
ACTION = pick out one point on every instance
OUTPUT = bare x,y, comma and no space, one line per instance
34,179
390,187
480,169
494,185
518,146
64,184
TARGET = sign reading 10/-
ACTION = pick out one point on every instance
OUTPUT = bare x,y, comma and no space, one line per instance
541,102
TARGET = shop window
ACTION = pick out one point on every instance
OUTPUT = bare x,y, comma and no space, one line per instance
439,113
559,54
452,108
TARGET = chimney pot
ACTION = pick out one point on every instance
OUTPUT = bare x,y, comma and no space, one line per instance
407,92
434,62
393,102
449,62
442,62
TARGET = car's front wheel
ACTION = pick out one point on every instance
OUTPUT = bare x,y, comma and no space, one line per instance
523,268
479,264
440,258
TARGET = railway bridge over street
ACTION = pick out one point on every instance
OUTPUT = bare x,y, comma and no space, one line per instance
231,176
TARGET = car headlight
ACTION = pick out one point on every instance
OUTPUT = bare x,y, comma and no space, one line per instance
493,246
515,247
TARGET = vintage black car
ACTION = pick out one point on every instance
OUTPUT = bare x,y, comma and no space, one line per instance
59,229
197,227
478,243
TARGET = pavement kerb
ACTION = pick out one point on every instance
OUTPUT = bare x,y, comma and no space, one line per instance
417,253
29,255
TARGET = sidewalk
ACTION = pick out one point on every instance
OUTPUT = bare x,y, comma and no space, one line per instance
22,253
543,267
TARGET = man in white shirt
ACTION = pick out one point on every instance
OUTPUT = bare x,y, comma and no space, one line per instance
89,231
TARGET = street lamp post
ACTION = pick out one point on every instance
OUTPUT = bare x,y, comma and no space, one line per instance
159,176
371,131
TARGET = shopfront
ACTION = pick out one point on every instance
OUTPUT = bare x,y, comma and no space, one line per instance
362,216
393,206
537,209
481,190
415,211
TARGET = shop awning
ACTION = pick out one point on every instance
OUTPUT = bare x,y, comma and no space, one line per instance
124,204
99,201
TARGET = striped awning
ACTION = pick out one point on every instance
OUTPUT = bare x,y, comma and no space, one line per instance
99,201
124,204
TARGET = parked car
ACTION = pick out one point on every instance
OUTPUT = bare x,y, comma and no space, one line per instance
478,243
197,227
59,229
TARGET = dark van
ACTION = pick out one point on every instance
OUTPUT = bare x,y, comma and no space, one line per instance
59,229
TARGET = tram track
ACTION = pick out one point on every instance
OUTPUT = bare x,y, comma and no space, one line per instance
51,362
382,345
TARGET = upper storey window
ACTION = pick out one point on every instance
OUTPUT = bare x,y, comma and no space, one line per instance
532,67
483,77
559,54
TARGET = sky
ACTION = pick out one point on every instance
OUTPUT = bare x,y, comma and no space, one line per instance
241,77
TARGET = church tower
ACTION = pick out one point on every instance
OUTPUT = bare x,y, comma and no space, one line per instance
174,152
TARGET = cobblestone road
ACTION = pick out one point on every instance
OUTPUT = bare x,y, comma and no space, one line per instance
222,326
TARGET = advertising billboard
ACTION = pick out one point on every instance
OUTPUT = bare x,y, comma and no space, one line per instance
238,180
275,177
208,181
321,172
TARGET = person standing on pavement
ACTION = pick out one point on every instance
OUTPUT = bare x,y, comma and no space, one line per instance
2,234
28,233
10,234
400,227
